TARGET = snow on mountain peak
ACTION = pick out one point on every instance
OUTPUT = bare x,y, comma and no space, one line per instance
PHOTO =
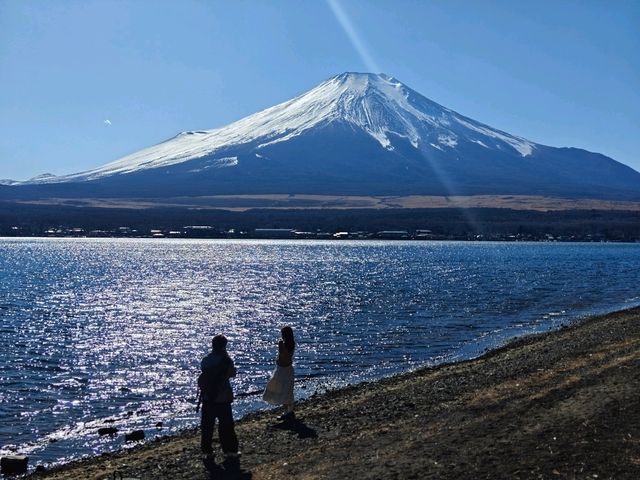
43,178
378,104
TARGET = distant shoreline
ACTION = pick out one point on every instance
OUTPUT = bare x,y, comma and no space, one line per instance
329,240
500,222
561,401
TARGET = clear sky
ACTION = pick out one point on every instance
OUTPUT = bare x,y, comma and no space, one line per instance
85,82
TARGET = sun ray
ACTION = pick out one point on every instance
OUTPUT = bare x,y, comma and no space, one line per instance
356,41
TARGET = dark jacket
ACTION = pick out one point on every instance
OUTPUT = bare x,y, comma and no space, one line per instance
223,364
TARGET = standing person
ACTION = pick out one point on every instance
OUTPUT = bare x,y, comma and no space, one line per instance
279,390
217,395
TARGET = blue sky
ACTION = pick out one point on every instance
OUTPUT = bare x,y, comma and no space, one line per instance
85,82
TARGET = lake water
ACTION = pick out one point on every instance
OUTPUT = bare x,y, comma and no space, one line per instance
104,332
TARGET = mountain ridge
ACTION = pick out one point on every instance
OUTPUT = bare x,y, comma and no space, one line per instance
355,133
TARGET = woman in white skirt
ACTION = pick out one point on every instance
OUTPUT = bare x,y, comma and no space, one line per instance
279,390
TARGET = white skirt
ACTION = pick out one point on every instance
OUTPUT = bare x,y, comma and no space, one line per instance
279,390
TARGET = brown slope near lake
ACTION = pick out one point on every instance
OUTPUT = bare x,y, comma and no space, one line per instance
285,201
559,405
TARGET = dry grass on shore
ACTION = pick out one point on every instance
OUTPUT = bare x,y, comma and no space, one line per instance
561,405
301,201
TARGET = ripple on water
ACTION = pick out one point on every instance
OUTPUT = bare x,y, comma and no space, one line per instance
110,332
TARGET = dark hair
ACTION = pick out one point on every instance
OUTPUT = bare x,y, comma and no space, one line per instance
287,336
218,343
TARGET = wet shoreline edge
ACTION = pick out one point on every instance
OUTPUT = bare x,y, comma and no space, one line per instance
107,462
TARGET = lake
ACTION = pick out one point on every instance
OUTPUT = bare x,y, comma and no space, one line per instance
110,332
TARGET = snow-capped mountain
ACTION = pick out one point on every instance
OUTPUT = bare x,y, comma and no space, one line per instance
356,133
8,181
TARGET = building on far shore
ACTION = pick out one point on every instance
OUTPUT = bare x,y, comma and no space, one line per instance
427,235
393,235
200,231
304,235
274,233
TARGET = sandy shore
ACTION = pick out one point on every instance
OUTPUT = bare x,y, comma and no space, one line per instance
559,405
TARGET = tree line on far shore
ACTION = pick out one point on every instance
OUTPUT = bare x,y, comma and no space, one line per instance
451,223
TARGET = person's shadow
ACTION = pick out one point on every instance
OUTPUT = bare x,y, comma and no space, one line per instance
296,426
227,470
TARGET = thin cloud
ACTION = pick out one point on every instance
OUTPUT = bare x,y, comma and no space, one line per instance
107,122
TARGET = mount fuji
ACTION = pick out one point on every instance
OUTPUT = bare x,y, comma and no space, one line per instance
354,134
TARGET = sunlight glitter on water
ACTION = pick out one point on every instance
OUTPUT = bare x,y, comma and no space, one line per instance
110,332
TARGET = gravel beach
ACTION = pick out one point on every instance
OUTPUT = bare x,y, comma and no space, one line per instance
565,404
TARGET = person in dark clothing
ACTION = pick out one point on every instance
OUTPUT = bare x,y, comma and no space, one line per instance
217,395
